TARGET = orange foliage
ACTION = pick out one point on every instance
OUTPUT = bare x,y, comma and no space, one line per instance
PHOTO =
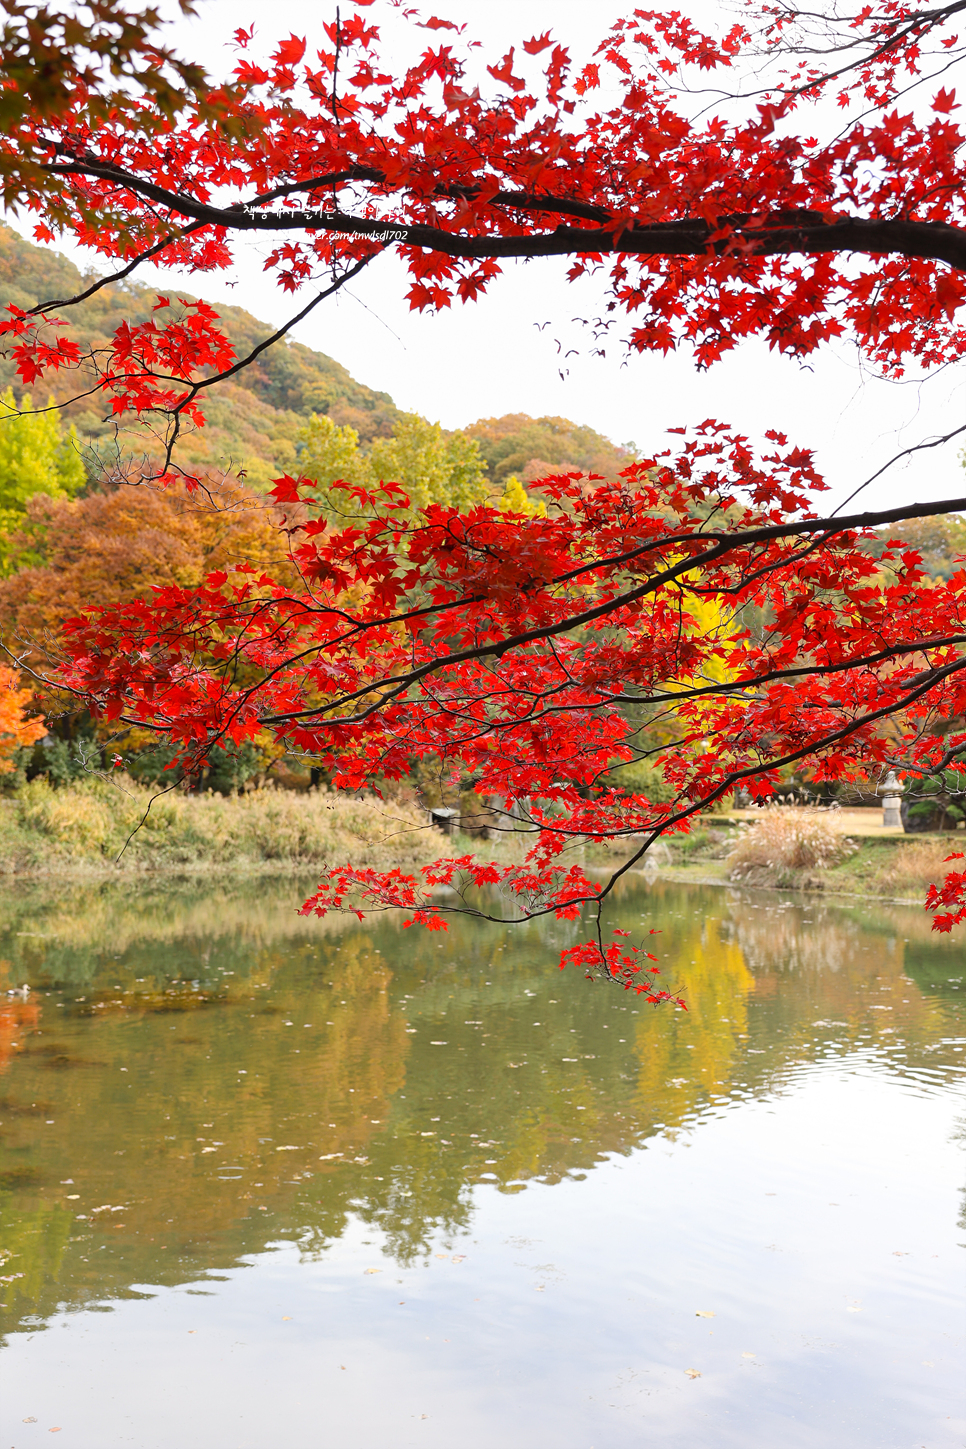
15,729
119,545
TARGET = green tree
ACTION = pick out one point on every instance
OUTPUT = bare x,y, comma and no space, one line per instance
36,456
433,466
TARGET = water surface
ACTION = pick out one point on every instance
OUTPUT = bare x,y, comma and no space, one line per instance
270,1182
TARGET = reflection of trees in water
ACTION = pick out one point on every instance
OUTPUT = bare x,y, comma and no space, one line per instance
66,936
685,1057
138,1095
224,1109
856,968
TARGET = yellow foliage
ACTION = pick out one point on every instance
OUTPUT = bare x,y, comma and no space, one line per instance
698,1049
516,500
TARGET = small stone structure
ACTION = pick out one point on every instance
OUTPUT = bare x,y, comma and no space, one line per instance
892,802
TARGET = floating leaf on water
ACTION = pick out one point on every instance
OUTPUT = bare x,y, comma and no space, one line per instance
749,1355
373,1270
286,1318
693,1373
703,1313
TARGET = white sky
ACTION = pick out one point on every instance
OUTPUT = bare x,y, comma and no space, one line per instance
489,358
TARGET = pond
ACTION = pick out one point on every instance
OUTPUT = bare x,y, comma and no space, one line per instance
269,1181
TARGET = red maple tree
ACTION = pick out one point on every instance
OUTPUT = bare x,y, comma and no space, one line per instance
537,656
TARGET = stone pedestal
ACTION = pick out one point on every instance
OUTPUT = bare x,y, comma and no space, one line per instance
892,802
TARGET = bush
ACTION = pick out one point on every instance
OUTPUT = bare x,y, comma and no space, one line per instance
784,843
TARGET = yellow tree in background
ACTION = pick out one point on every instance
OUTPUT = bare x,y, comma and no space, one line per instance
517,500
36,456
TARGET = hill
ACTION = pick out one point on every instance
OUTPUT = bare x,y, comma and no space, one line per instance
251,425
253,422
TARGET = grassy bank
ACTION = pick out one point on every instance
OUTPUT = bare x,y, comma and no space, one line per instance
86,827
894,867
105,827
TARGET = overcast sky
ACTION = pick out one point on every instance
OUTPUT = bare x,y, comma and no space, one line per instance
492,357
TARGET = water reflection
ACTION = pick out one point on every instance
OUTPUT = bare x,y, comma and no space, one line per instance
198,1073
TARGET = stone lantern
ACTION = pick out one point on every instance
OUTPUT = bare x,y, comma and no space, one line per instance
891,801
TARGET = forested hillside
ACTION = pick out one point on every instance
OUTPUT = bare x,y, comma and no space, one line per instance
254,424
251,426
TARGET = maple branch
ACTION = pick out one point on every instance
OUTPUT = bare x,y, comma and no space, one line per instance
261,347
694,807
160,246
780,234
727,544
903,30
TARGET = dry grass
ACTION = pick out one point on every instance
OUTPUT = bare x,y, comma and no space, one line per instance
784,844
89,825
913,866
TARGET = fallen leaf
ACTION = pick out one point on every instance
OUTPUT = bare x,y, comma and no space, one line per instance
749,1355
692,1373
703,1313
459,1257
31,1420
287,1318
373,1270
442,1255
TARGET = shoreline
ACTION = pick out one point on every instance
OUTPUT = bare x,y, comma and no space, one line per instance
112,831
137,872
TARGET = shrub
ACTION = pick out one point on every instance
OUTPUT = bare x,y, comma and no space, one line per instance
784,843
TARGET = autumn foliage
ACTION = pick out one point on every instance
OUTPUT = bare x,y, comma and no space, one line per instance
17,727
538,655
